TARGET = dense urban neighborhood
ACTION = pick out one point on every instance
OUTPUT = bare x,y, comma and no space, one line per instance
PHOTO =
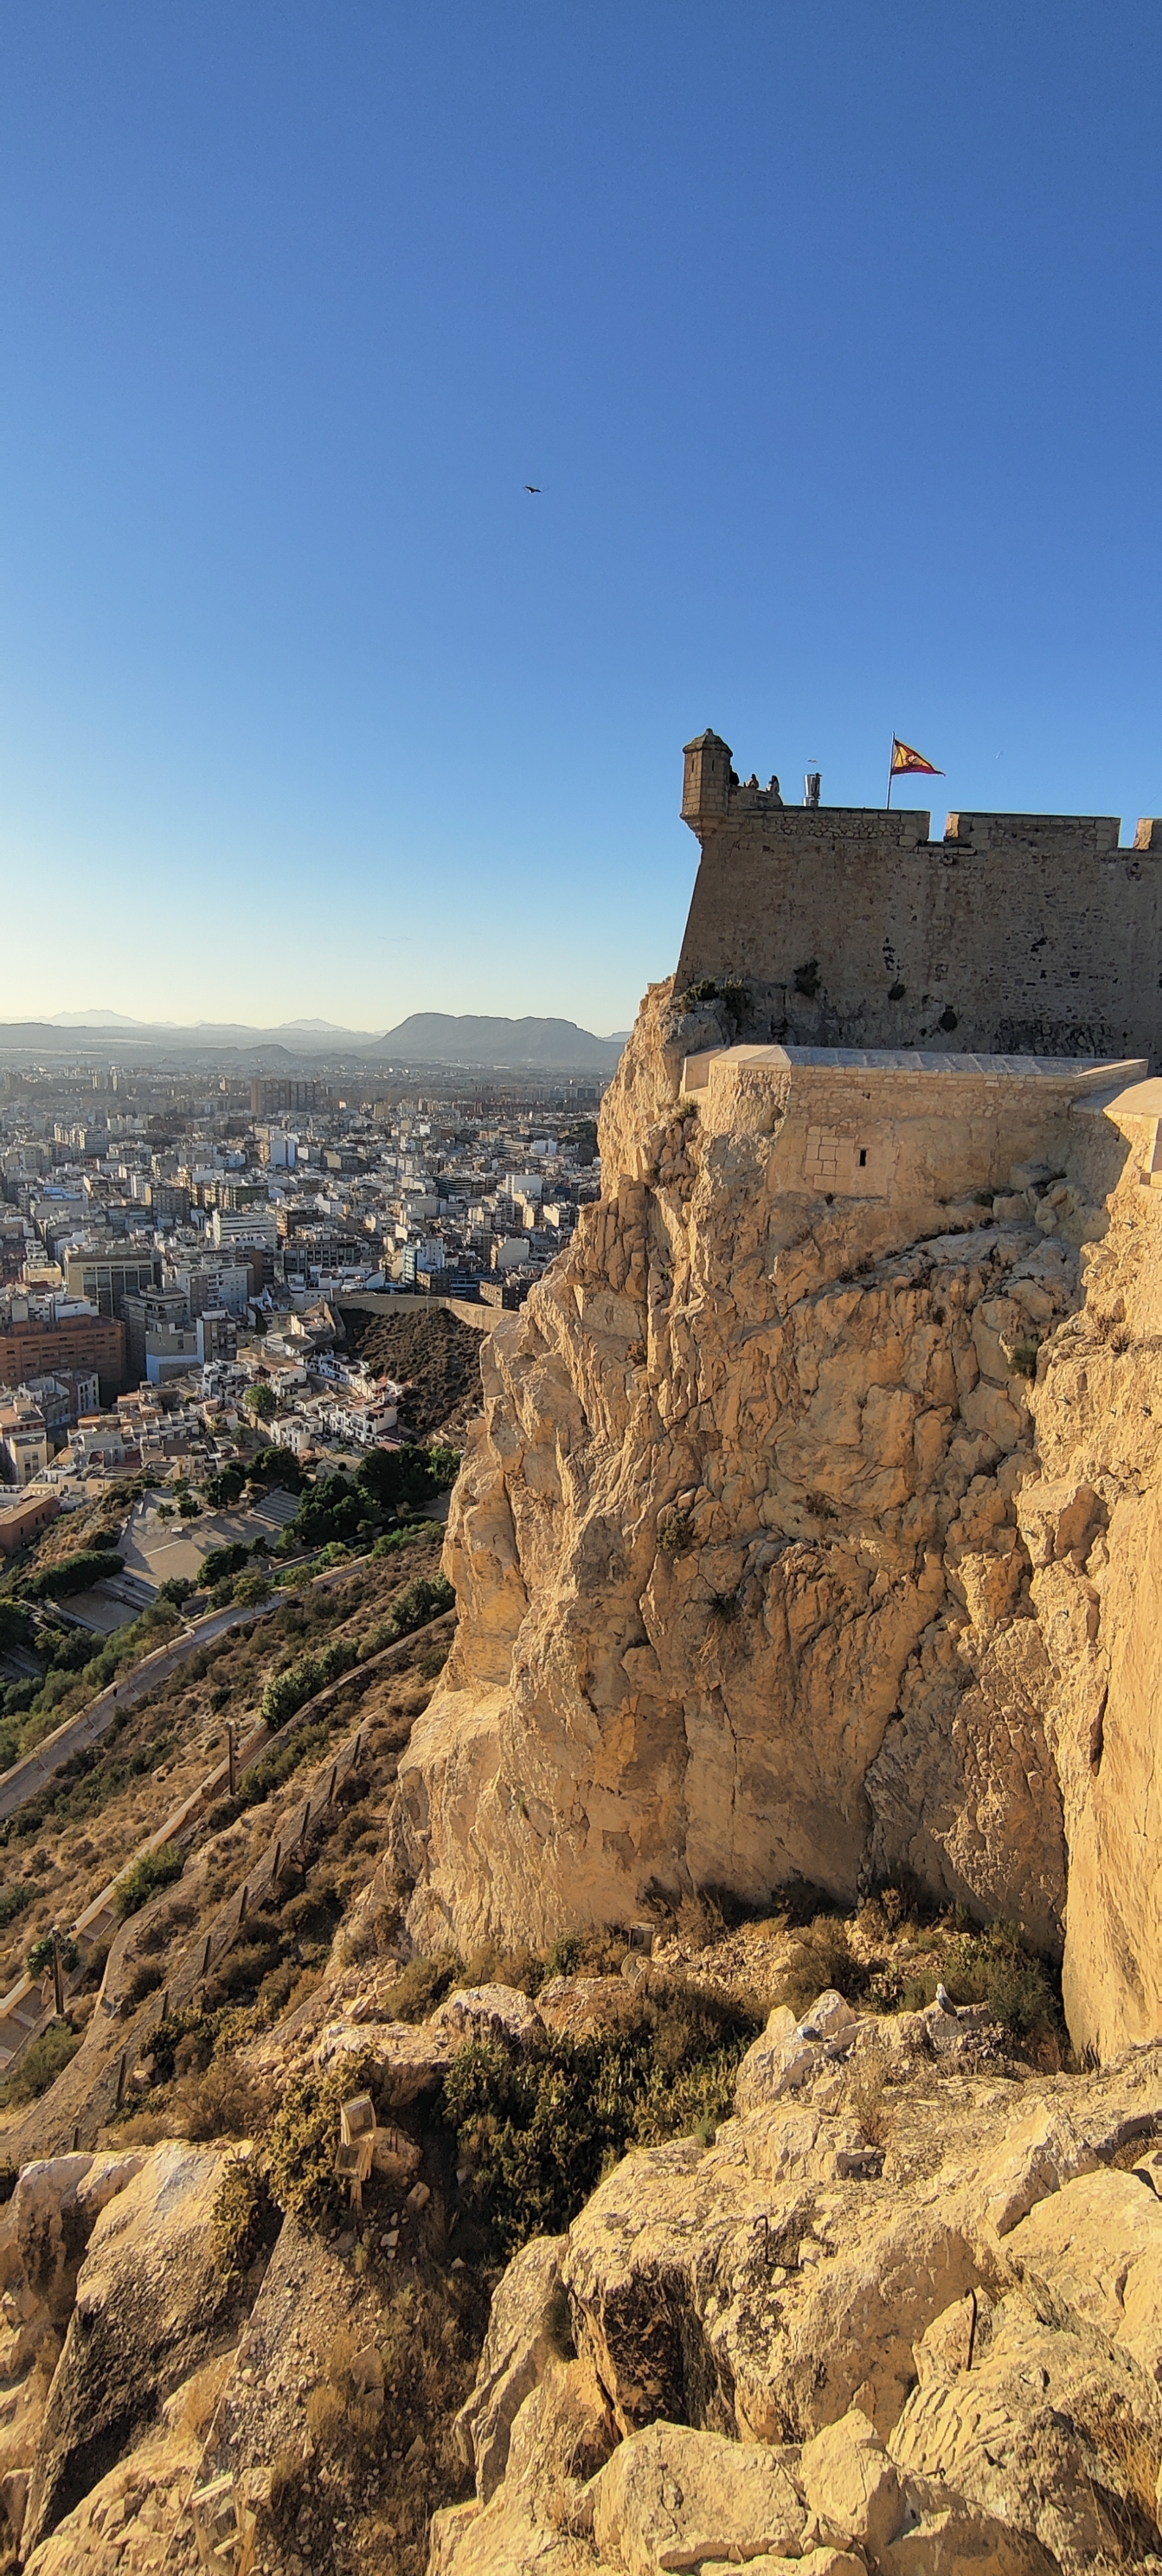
188,1262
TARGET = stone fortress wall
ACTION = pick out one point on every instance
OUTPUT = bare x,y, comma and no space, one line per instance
856,1123
1017,934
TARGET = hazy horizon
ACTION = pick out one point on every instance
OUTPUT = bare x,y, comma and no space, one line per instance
100,1018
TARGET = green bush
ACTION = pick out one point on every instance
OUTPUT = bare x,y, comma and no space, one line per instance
243,2220
287,1692
252,1589
422,1985
39,1958
993,1967
269,1772
223,1563
40,2064
73,1574
426,1598
299,2152
412,1535
154,1870
176,1589
536,2129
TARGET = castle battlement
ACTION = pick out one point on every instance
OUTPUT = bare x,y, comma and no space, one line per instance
1014,934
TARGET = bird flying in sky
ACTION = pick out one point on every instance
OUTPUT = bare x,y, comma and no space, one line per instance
532,487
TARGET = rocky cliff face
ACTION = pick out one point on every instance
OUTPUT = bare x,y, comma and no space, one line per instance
901,2316
775,1560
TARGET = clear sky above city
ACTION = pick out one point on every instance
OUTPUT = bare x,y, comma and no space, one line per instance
830,329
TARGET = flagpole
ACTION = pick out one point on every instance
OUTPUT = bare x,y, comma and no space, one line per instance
891,775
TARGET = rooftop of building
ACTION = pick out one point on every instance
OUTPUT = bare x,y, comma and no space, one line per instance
1082,1073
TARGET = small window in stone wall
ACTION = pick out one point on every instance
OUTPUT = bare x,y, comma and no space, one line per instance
846,1165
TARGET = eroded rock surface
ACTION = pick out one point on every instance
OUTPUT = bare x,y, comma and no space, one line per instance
150,2301
946,2360
814,1537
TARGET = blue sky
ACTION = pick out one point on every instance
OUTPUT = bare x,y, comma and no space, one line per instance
830,329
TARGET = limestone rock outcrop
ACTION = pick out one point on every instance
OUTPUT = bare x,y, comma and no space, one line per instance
945,2359
816,1535
150,2301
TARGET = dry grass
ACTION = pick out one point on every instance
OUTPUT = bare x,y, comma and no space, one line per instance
194,2402
821,1958
699,1921
867,2096
1131,2459
326,2414
1135,2454
64,1860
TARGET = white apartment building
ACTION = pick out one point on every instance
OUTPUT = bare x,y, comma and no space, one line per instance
256,1224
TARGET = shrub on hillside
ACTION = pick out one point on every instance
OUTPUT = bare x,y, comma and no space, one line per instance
993,1967
426,1598
154,1870
252,1589
413,1534
535,2129
244,2220
287,1692
299,2150
40,1957
422,1985
822,1958
73,1574
40,2064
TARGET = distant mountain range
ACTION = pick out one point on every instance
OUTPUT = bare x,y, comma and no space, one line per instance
481,1041
209,1032
439,1037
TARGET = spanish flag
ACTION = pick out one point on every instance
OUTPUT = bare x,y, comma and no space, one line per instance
903,757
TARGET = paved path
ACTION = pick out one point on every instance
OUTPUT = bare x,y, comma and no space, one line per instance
35,1769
